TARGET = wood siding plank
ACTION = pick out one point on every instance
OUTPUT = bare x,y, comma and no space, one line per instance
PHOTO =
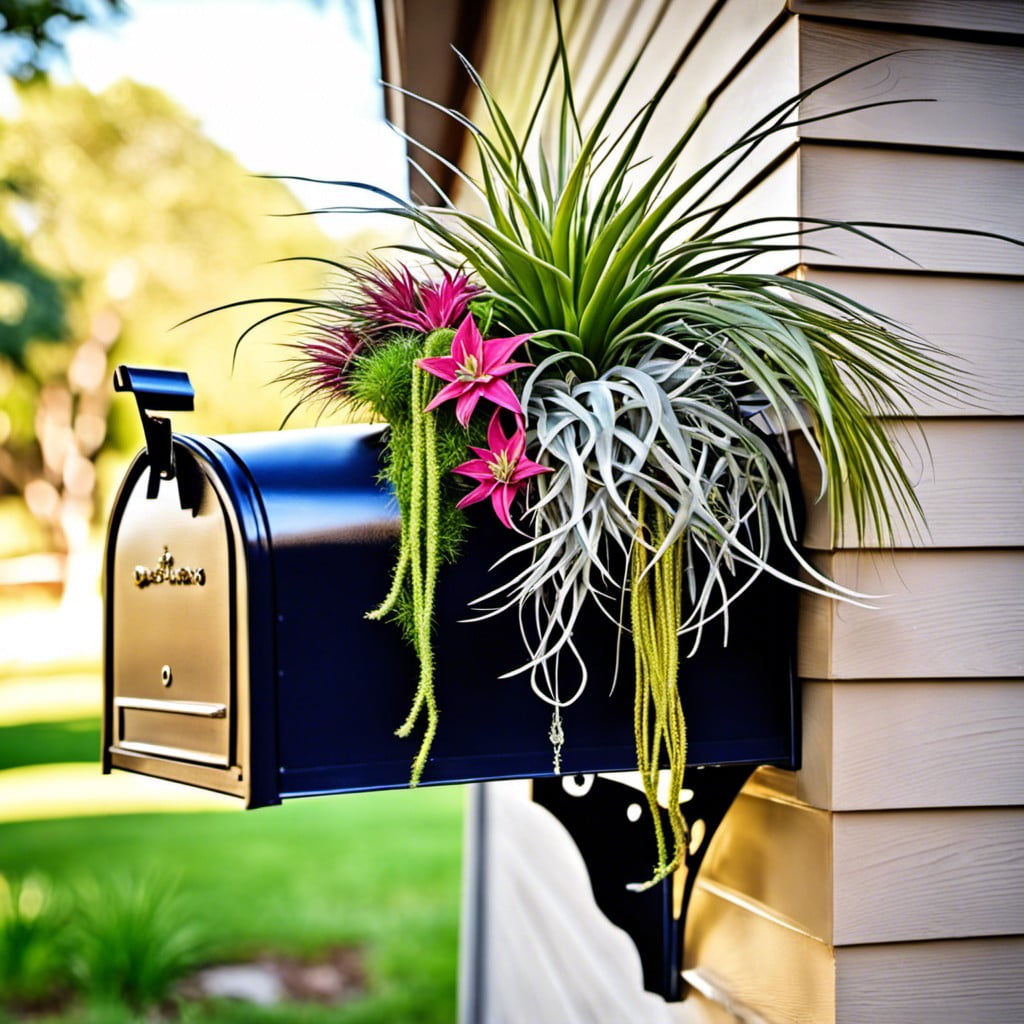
968,476
979,322
871,186
976,89
914,875
872,876
768,79
677,27
735,29
950,614
781,974
775,855
976,16
787,977
951,982
888,186
777,195
616,38
892,745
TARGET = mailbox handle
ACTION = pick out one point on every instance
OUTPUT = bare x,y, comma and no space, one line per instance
163,391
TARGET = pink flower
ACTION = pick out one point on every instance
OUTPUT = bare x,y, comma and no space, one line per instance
475,369
389,297
321,366
445,302
501,471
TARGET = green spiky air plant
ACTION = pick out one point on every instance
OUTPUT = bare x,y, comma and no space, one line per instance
653,342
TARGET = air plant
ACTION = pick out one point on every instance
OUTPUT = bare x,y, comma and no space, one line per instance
388,296
373,301
655,344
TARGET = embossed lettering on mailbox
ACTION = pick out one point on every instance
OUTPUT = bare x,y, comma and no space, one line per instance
166,573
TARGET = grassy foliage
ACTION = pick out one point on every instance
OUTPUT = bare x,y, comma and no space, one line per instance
133,938
31,964
49,743
379,871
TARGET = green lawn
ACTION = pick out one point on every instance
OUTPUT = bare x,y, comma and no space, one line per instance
49,743
380,870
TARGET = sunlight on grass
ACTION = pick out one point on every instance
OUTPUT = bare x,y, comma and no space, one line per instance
40,791
25,698
63,742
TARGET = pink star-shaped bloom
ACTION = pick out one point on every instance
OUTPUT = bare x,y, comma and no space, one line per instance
501,471
475,369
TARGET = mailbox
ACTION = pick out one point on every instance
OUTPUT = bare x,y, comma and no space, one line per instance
238,572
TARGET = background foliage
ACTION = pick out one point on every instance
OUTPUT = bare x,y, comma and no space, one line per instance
32,31
118,219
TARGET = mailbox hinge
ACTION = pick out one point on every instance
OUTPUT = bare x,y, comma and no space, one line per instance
608,822
163,391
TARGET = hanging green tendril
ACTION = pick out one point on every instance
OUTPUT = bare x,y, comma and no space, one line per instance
655,612
415,464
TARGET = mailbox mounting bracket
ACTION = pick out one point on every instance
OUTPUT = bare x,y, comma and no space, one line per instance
163,391
610,824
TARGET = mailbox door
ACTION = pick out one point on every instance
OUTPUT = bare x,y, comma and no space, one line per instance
171,632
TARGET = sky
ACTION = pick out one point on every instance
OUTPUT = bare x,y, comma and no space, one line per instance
289,86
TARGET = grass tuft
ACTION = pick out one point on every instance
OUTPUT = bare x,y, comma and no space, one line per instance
134,937
31,950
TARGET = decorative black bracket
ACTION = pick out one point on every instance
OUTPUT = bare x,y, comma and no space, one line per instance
610,823
165,391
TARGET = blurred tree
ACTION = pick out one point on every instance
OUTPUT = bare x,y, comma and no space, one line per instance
121,219
32,31
31,304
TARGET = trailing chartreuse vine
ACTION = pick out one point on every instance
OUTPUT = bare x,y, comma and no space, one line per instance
415,468
656,608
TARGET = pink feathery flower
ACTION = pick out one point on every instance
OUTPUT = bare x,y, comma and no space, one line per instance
390,296
446,301
321,366
501,471
475,369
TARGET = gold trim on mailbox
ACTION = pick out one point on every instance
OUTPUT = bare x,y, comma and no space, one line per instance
166,573
178,753
201,709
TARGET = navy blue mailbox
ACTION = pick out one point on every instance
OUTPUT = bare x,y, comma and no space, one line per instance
238,656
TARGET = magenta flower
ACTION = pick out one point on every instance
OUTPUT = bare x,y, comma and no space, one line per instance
475,369
500,471
320,368
389,297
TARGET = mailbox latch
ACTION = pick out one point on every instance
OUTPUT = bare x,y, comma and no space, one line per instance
157,391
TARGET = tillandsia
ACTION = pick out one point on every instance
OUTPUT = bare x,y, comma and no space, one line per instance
650,358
